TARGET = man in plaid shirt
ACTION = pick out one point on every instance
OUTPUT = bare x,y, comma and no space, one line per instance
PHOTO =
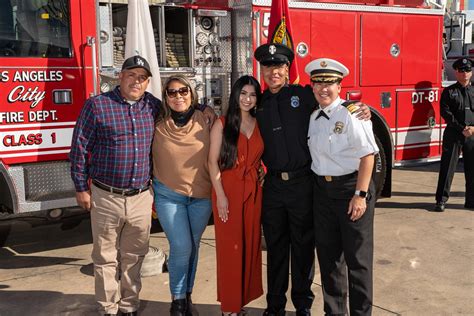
110,167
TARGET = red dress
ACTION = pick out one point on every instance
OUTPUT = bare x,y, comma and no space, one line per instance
238,241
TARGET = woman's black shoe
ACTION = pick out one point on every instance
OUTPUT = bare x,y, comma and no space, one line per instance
190,309
178,307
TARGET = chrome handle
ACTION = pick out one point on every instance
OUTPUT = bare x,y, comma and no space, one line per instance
92,43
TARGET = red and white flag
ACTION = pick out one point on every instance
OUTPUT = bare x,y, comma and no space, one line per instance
279,31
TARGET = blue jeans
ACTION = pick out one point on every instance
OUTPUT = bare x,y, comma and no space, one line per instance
183,219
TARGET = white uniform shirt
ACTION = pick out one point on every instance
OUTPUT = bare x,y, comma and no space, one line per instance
337,144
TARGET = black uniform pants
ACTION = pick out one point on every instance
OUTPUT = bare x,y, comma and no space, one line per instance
345,248
453,142
287,221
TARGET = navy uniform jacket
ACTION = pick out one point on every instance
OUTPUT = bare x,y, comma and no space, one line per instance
283,119
454,106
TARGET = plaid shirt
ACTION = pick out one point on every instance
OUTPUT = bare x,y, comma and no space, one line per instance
112,141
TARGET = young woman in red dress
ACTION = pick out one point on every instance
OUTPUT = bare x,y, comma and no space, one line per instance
234,159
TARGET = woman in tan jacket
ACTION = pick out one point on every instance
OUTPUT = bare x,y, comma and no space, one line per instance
181,185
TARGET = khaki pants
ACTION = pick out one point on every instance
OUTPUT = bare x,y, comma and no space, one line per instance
121,233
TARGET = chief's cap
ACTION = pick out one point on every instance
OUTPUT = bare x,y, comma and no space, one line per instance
463,64
137,62
326,70
274,54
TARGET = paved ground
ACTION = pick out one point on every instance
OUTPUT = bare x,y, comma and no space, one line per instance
424,261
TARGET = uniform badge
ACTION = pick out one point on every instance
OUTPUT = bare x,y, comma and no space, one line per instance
338,127
295,101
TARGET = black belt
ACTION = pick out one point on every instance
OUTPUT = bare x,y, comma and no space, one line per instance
123,192
337,178
289,175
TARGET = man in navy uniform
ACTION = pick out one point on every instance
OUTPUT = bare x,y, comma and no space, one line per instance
287,206
457,109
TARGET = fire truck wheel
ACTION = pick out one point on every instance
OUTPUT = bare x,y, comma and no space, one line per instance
380,168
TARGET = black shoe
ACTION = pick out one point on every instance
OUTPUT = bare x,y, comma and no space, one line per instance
190,309
178,307
439,207
271,312
303,312
135,313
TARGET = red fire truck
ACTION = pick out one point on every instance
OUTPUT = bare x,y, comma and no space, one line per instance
56,53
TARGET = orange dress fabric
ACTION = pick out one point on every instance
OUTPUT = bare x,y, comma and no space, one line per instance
238,241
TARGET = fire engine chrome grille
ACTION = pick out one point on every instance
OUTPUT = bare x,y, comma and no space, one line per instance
48,181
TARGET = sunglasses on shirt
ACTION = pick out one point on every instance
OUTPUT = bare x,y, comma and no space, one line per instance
173,93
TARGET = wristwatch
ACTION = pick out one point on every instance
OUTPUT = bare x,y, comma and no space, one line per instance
360,193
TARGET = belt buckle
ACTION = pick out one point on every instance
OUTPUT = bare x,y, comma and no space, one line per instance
328,178
285,176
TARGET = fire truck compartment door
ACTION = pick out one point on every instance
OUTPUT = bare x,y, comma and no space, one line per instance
418,129
381,34
421,49
333,34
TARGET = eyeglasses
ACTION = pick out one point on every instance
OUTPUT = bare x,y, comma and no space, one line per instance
173,93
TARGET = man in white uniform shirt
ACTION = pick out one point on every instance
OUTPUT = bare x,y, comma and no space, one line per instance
342,149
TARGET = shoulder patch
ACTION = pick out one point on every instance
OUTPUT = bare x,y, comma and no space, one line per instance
350,106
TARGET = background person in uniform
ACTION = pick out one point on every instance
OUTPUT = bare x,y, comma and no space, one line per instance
457,109
287,204
342,148
234,161
111,147
181,185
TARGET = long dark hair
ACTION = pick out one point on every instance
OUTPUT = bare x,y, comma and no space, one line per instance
228,154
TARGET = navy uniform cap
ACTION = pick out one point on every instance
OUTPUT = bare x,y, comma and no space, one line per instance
326,70
137,62
274,54
463,64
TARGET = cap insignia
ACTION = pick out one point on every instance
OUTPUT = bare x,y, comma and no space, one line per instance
323,64
272,49
140,62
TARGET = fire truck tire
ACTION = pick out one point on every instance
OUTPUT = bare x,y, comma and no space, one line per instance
380,168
